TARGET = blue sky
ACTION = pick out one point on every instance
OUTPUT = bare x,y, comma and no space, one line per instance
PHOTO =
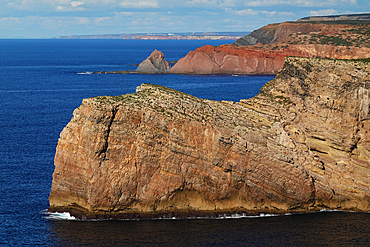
54,18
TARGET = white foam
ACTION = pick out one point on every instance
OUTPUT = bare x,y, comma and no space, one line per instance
67,216
85,73
58,216
336,210
240,216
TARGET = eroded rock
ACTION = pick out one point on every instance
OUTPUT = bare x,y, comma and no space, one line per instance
230,59
155,63
301,144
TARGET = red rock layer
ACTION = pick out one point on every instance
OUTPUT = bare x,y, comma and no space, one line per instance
229,59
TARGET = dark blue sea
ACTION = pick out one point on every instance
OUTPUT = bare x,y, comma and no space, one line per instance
43,81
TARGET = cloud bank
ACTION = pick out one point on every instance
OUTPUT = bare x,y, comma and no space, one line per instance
53,18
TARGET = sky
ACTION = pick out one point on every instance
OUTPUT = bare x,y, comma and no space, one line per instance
55,18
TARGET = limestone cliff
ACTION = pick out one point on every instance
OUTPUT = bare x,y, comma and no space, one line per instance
155,63
302,144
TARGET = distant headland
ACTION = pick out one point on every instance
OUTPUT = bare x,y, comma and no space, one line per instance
164,36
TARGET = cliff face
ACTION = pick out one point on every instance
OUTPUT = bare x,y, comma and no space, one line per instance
155,63
229,59
301,144
263,51
313,30
275,32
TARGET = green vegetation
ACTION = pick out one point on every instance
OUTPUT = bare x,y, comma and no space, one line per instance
363,60
342,22
334,40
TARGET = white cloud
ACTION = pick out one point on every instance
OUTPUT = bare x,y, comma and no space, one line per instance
324,12
272,13
120,16
210,3
76,4
100,20
82,20
200,2
139,4
246,12
299,3
286,14
73,5
123,14
93,5
9,20
265,3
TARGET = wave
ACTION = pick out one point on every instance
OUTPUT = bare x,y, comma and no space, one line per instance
67,216
57,216
240,216
335,210
85,73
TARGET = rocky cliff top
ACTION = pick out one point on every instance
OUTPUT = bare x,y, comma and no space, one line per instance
335,18
354,33
302,144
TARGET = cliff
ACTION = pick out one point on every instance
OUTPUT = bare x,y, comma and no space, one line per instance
274,32
301,144
333,18
155,63
229,59
263,51
313,30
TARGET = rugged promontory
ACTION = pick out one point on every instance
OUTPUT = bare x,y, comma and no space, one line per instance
263,51
302,144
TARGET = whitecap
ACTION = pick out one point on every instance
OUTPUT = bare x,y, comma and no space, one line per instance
58,216
243,215
85,73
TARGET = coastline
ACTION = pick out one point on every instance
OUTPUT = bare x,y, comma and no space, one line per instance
124,72
184,214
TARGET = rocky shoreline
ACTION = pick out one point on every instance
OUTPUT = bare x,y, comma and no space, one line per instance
181,214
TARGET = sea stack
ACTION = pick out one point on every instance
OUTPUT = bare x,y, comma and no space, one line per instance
155,63
302,144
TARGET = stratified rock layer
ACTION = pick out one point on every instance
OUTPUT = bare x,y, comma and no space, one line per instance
301,144
229,59
155,63
263,51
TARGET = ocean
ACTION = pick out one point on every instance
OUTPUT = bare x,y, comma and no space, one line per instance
43,81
